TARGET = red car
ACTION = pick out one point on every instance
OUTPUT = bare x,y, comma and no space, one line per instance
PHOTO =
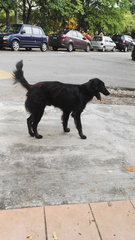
69,39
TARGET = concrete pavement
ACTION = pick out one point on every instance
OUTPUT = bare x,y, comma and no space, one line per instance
62,168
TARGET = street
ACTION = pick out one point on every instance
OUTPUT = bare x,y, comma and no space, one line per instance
116,69
61,168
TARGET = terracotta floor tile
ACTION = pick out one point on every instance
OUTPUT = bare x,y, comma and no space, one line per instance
116,220
22,224
133,202
70,222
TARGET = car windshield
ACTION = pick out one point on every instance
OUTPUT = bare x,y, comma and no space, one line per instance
15,28
97,38
117,37
61,32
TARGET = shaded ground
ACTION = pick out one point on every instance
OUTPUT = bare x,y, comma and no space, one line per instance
119,97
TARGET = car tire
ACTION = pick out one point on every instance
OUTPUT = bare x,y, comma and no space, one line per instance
114,49
126,49
87,48
55,48
133,54
15,45
103,49
43,47
70,47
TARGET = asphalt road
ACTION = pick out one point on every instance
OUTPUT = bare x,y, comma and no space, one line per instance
62,168
116,69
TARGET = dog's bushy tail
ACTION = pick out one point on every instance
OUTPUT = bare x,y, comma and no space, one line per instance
19,77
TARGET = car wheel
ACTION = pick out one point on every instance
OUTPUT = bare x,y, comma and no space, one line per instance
87,48
126,49
43,47
114,49
55,48
70,47
15,45
103,49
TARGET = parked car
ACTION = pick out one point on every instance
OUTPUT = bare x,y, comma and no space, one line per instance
102,43
69,39
123,42
27,36
133,53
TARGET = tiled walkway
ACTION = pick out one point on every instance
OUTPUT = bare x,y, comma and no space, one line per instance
94,221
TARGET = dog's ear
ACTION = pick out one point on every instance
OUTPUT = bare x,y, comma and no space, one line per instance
95,83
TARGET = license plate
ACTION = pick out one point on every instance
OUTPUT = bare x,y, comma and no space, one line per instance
54,37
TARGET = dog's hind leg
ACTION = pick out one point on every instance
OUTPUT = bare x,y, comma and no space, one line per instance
37,115
77,120
65,118
30,125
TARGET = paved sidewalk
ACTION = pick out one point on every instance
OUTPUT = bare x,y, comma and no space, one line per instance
93,221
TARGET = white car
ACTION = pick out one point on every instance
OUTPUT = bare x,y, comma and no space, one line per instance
102,43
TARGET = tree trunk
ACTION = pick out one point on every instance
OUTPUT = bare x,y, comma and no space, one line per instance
24,11
7,17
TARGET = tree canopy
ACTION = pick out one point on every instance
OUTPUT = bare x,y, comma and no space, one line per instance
95,16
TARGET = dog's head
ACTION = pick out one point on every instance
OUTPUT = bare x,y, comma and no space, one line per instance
98,87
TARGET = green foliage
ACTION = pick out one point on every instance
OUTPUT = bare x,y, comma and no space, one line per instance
8,4
55,14
129,22
104,16
107,16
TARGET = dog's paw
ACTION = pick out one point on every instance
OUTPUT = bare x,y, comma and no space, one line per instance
38,136
83,137
67,130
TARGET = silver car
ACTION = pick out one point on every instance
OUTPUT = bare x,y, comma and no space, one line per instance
102,43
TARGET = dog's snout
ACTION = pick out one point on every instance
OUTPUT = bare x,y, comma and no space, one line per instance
105,92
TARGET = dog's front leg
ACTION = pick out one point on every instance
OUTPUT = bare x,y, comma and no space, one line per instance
65,118
77,120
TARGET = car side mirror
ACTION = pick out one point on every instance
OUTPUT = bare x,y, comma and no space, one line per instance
84,38
23,31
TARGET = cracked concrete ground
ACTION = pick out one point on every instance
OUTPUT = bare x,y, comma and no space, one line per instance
62,168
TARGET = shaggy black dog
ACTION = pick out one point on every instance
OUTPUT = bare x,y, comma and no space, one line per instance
70,98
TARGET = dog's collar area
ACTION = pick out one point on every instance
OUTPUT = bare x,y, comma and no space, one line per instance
98,96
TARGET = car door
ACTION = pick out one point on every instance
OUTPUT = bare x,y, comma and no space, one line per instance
37,36
73,38
81,41
106,43
110,44
26,39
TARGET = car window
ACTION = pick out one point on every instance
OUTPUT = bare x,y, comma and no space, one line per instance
15,28
128,38
41,32
79,35
36,31
27,29
106,39
74,34
123,37
117,37
109,39
97,38
70,34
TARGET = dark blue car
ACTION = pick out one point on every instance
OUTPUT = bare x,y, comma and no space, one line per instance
27,36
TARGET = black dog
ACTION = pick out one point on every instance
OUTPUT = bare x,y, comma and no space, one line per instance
70,98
